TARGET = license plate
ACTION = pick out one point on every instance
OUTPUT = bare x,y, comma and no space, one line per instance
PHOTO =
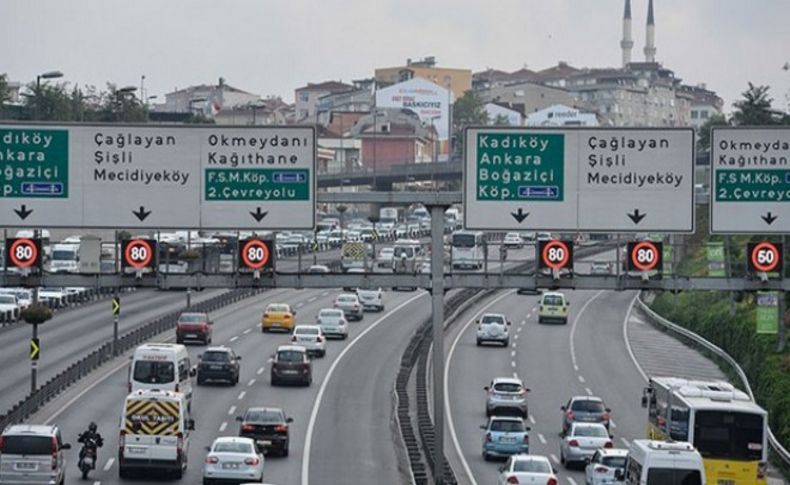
230,466
305,339
191,335
26,465
508,440
726,482
135,450
216,367
289,372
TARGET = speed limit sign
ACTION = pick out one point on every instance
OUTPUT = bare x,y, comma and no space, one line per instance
645,256
765,257
138,253
22,252
556,254
256,254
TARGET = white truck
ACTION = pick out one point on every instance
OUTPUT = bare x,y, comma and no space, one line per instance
388,218
65,258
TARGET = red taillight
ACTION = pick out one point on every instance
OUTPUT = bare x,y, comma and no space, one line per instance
570,415
526,438
762,468
552,481
1,444
265,315
609,444
281,428
293,339
247,428
573,443
251,461
54,449
320,339
305,368
601,469
122,440
512,479
488,437
212,460
176,387
204,327
606,417
179,445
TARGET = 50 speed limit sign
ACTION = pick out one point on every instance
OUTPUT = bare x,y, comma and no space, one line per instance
765,257
556,254
645,256
256,254
138,253
23,252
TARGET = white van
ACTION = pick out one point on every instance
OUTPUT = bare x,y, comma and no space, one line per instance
154,433
65,258
662,463
162,366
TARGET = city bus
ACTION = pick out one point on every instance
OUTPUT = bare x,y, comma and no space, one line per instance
467,249
728,429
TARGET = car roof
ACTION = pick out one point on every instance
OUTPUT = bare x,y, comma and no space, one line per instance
218,348
295,348
508,380
580,424
233,439
347,294
265,409
493,315
277,304
28,429
314,327
557,293
507,418
526,457
613,452
586,398
199,314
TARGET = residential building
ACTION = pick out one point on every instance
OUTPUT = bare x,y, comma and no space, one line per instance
206,99
561,115
458,81
393,136
527,97
356,100
14,92
492,78
704,104
508,115
307,98
268,111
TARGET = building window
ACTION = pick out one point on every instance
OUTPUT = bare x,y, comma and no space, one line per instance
694,114
703,115
304,96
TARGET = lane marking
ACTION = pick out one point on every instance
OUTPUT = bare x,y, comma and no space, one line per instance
611,423
232,410
311,300
259,372
247,331
242,394
513,352
581,379
532,419
542,438
300,305
448,361
571,481
109,464
628,343
513,364
554,458
252,381
317,403
519,329
223,426
575,323
513,345
233,339
625,442
97,483
516,336
515,375
523,322
588,391
575,367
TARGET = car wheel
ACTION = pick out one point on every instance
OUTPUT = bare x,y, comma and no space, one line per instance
565,321
206,481
274,380
486,456
123,472
488,413
200,380
178,474
507,342
479,342
179,341
540,319
562,459
285,450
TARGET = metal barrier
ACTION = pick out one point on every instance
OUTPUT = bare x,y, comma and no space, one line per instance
103,353
657,319
68,300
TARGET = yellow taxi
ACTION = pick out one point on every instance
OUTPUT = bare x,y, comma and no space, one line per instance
553,307
280,316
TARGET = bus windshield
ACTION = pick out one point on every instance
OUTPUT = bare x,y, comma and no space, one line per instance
729,435
464,240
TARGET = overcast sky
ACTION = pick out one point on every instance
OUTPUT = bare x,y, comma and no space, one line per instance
272,47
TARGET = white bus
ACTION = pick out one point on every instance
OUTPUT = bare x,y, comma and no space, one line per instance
467,249
727,428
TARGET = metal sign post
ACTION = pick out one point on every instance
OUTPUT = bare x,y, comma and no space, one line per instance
34,359
116,312
437,307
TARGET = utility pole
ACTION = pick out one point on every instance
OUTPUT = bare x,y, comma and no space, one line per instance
437,307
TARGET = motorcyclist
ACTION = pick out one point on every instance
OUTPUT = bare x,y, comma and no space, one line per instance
89,438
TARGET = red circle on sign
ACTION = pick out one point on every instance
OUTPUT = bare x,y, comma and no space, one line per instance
138,263
765,268
640,265
566,254
24,262
255,263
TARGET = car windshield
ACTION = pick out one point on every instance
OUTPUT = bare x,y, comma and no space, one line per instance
26,445
347,299
464,240
264,416
307,331
232,447
154,372
588,406
289,356
64,255
277,308
7,299
592,431
193,318
403,251
535,466
331,315
614,461
552,300
486,319
215,357
673,476
507,426
507,387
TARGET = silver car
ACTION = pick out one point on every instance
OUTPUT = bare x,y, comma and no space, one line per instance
582,441
351,306
32,454
333,323
506,395
585,409
232,459
601,468
493,327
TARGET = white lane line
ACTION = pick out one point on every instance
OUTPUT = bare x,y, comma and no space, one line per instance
520,329
554,458
231,410
260,371
247,331
611,423
447,410
588,391
627,342
572,481
252,381
515,336
513,364
523,322
576,367
625,442
513,352
299,305
308,442
513,345
531,419
110,461
515,375
233,339
542,438
223,426
242,394
575,323
97,483
311,300
581,379
325,293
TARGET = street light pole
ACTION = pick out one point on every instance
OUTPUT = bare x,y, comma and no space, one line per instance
46,75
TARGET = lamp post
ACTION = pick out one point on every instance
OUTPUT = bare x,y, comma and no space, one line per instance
121,94
45,75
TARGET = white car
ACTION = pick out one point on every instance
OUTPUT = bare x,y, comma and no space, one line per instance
318,269
349,303
311,338
232,458
493,327
56,295
513,240
582,441
333,323
600,470
384,259
527,469
371,299
9,303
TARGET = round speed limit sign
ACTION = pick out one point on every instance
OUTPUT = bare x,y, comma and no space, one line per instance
556,254
255,254
765,257
138,253
645,256
23,253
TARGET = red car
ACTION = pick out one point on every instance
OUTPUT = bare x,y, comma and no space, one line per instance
194,326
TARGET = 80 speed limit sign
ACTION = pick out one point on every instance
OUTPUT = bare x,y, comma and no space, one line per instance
556,254
23,252
256,254
645,256
765,257
138,253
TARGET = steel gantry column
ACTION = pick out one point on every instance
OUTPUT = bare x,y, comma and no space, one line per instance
437,311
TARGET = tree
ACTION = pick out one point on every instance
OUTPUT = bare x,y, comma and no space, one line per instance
117,105
703,134
468,110
755,108
501,120
48,102
5,95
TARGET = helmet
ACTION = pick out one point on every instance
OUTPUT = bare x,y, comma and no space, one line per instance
92,427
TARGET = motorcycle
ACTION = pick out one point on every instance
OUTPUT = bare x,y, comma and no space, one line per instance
88,454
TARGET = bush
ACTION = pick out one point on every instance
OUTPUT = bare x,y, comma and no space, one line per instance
36,314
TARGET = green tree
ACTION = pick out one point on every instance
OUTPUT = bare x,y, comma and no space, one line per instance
703,134
501,120
48,102
755,108
5,95
468,110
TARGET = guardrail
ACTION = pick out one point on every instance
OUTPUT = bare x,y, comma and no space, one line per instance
103,353
67,300
776,446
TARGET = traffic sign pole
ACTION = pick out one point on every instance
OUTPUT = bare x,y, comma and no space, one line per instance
34,362
116,312
437,304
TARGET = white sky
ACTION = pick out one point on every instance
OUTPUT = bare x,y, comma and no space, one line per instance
273,47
